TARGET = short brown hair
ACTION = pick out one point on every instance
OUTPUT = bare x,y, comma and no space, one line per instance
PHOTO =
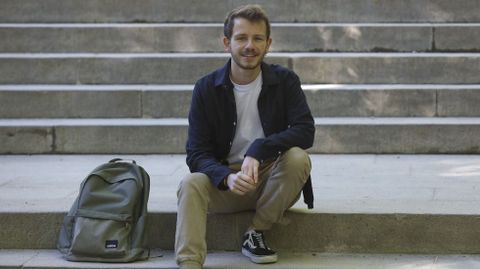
253,13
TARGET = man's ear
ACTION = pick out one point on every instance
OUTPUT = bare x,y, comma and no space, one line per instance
269,43
226,44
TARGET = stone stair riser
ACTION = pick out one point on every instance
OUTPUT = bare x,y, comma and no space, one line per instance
314,38
175,103
388,69
393,139
215,11
314,68
70,104
457,38
329,138
166,38
135,70
339,233
455,104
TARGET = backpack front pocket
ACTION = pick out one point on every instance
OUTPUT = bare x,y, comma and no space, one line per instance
100,237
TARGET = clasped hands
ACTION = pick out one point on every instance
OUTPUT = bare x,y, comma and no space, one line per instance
246,179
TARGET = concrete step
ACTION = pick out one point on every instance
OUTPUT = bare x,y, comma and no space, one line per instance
420,204
36,259
333,135
188,37
128,38
39,259
173,101
168,68
215,11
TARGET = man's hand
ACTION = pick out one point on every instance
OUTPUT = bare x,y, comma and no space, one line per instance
240,183
250,168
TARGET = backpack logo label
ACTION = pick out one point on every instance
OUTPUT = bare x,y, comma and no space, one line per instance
111,244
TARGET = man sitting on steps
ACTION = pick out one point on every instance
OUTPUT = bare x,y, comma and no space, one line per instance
249,126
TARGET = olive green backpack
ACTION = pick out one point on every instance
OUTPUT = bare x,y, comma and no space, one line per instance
107,221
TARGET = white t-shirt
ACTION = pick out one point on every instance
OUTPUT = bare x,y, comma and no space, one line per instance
249,126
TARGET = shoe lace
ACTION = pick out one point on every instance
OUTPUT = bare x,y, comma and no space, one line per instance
258,238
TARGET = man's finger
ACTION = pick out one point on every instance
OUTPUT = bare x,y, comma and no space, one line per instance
247,171
245,183
246,178
236,191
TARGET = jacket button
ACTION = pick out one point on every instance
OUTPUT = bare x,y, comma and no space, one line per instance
234,123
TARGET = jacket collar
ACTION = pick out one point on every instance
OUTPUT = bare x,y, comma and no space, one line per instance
222,75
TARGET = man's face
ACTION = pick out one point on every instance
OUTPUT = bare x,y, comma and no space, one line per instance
248,45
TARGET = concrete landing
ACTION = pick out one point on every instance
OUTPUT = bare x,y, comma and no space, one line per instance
409,184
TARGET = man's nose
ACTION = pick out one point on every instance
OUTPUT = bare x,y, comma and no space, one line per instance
250,44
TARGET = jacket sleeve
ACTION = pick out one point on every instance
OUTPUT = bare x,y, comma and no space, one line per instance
300,129
200,143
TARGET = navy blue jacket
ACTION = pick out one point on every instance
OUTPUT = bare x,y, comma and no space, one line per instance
284,114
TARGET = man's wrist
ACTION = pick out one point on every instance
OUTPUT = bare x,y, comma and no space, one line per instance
225,182
223,185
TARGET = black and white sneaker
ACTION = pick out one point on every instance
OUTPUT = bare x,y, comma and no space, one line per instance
256,249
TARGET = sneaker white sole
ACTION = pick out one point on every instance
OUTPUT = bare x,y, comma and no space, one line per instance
260,259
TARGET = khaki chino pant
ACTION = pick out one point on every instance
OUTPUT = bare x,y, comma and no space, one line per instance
279,187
